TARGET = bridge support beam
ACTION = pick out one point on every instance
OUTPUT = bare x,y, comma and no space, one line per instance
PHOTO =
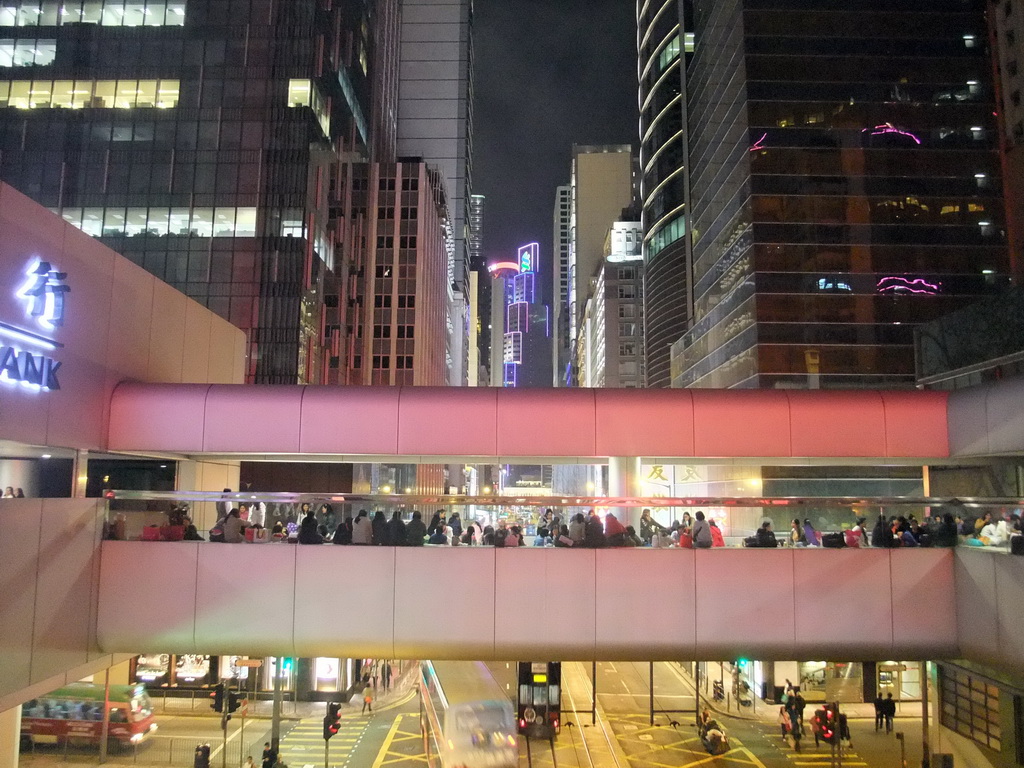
10,736
624,480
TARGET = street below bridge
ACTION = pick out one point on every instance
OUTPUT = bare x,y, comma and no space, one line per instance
619,735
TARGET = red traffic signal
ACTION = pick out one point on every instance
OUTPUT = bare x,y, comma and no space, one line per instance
217,698
332,720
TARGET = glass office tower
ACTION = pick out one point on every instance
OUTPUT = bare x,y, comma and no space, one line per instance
663,47
844,187
198,138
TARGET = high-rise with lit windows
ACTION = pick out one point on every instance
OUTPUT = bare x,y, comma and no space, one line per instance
601,186
664,46
199,138
844,187
435,123
398,309
562,244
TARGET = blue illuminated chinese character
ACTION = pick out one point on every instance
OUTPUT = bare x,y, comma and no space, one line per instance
44,291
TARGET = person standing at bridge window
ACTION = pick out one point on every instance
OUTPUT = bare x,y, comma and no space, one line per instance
701,532
415,530
648,525
362,529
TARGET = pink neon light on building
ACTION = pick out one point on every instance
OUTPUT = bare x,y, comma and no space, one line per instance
896,284
878,130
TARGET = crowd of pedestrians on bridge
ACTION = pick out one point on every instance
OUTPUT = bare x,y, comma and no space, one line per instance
250,521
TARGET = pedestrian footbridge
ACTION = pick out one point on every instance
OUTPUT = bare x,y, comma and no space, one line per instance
487,603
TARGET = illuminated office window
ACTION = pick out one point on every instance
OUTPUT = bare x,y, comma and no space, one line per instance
27,53
302,93
76,94
161,222
110,13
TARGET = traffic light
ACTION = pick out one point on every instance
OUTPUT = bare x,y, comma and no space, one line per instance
332,720
217,698
234,700
828,723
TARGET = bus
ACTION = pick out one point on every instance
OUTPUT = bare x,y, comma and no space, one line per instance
467,721
76,712
540,698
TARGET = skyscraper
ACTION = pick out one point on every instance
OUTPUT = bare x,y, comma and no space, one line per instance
562,247
199,138
399,307
1006,19
435,123
602,185
844,186
664,47
608,351
526,344
479,298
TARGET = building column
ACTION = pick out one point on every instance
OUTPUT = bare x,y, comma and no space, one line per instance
209,476
10,737
79,474
624,480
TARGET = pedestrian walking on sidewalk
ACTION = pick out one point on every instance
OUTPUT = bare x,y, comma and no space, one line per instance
367,699
386,675
879,712
889,712
269,755
784,722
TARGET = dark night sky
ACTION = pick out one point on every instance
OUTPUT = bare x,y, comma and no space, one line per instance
549,73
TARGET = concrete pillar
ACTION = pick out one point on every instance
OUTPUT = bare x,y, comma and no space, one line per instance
10,737
624,480
79,474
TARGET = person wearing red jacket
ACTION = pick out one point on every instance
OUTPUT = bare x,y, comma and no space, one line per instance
614,531
717,539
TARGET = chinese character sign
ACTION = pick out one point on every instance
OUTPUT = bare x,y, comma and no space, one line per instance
43,292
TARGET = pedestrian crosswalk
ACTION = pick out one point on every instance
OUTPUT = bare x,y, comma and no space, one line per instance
812,758
303,746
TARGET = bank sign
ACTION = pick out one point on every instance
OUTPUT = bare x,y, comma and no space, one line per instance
26,351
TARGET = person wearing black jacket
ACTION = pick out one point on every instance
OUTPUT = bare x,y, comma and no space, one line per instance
380,529
308,533
593,535
343,533
396,530
766,536
415,530
648,525
942,532
881,534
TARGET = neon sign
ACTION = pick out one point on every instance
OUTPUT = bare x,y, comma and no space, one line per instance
528,257
43,294
896,284
501,266
878,130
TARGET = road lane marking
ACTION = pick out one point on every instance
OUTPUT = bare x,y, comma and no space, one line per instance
387,742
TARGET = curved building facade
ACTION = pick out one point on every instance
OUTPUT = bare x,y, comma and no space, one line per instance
662,44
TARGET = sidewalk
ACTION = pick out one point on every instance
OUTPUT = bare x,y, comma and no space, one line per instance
768,712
